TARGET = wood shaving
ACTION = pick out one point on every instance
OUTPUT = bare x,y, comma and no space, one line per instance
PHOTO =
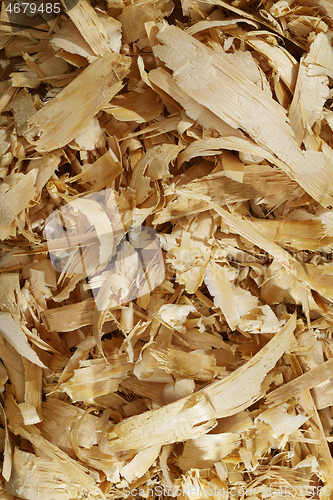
166,238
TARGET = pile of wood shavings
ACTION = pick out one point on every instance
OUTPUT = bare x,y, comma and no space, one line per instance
211,123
